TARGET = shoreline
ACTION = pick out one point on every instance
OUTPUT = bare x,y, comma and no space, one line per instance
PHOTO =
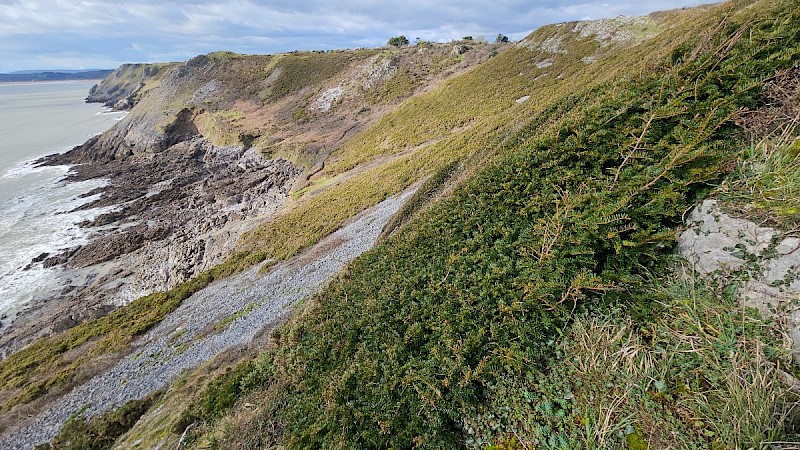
35,82
140,240
42,209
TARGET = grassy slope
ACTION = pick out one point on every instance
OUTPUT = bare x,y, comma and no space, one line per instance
515,71
446,335
439,128
63,359
537,240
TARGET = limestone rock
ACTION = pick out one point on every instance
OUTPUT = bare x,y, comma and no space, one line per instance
716,243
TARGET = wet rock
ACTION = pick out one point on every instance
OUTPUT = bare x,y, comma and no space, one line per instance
175,213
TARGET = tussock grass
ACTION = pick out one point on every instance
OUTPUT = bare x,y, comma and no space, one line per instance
765,183
99,433
702,373
446,335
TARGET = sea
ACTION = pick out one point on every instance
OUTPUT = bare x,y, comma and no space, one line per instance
36,204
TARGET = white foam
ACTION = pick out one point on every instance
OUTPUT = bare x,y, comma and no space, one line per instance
40,220
110,111
28,168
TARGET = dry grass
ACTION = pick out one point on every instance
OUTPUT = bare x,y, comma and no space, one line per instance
765,183
704,376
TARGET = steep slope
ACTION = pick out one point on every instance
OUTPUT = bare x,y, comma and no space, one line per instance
200,159
482,321
251,122
533,305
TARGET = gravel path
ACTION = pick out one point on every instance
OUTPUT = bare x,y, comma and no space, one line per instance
178,342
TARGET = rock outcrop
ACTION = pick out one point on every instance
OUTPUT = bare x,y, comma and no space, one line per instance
174,215
766,261
120,88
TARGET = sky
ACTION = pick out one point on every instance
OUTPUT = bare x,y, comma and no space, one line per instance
81,34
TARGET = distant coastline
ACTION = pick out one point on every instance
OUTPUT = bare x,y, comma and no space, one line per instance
54,75
25,83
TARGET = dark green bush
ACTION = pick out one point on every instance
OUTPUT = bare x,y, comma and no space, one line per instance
398,41
99,433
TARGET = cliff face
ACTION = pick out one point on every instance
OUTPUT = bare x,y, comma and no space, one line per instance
119,88
298,106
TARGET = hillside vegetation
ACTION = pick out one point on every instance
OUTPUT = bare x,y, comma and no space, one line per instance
528,295
233,99
530,307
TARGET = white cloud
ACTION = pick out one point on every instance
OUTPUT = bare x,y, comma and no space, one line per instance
39,31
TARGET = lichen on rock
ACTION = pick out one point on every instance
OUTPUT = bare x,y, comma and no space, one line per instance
766,261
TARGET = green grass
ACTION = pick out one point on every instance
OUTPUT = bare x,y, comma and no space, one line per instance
397,87
435,119
458,321
219,127
423,197
765,184
100,432
695,372
235,316
303,69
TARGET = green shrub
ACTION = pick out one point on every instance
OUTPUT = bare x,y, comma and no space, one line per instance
100,432
398,41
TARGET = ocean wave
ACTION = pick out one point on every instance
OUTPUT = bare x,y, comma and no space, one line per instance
27,168
110,111
43,220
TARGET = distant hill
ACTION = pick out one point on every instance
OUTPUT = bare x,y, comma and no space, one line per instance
31,75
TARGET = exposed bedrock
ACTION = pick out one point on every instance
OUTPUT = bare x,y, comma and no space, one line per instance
170,215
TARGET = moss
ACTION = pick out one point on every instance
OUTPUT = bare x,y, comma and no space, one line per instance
636,442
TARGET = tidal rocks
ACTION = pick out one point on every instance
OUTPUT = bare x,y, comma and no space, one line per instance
173,214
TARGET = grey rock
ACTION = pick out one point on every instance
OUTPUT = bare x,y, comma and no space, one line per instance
716,241
717,244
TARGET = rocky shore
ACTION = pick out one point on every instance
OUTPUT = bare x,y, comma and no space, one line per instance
175,214
188,337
